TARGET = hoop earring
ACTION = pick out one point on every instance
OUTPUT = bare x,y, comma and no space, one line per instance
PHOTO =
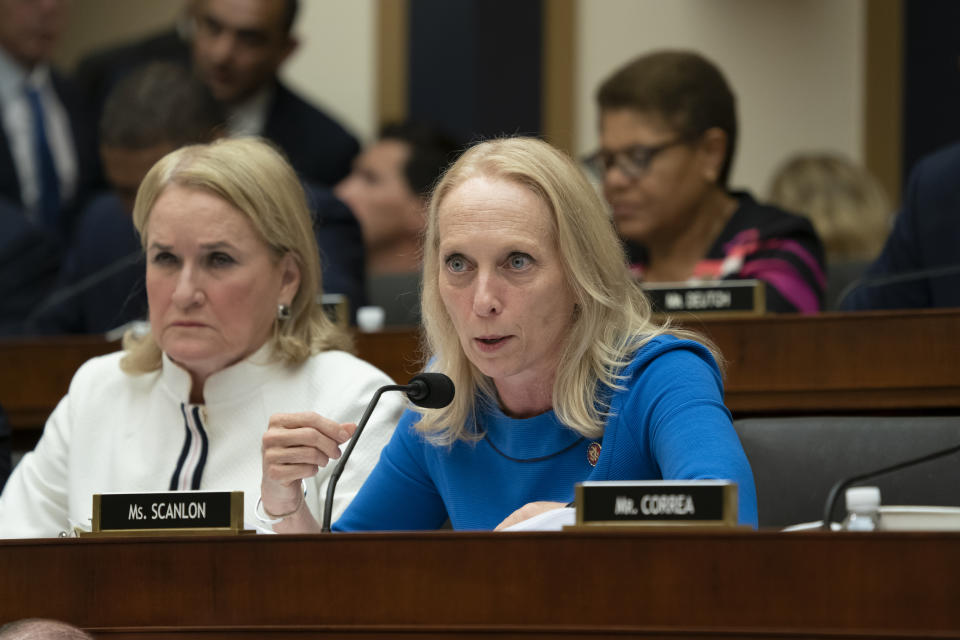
283,311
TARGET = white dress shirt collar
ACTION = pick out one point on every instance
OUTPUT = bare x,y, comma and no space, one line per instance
249,117
240,379
12,77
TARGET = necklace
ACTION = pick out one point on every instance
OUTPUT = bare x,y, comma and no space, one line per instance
538,459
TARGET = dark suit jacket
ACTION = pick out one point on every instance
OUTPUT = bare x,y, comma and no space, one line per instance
102,285
29,260
97,73
319,148
89,175
340,240
926,235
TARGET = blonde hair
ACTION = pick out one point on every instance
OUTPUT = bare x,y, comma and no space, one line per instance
612,319
254,178
845,203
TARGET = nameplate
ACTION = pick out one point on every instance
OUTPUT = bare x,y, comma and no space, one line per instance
657,503
336,306
167,513
719,297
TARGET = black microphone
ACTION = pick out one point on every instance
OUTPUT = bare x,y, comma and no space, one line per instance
842,485
897,278
429,390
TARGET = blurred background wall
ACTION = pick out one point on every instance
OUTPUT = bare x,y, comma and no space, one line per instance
809,74
795,67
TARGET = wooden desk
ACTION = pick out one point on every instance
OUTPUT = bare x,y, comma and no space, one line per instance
786,364
35,373
840,362
522,585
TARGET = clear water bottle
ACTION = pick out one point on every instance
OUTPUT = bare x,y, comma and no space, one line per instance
863,509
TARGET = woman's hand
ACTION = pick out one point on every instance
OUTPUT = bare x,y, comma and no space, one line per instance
527,511
295,446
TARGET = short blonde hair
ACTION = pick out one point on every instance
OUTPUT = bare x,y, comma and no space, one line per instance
254,178
612,319
845,203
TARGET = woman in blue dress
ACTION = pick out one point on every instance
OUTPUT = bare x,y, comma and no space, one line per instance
561,375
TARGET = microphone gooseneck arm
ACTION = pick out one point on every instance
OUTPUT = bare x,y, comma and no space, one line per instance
338,470
840,486
897,278
428,390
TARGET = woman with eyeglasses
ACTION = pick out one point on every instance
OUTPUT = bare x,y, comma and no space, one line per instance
668,131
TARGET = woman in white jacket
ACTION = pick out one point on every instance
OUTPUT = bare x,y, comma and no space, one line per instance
236,342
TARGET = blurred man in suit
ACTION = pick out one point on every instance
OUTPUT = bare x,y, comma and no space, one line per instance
238,48
47,150
30,257
151,112
45,156
388,191
918,265
98,72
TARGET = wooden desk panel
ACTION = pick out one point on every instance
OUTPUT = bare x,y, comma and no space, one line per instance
35,373
531,585
396,351
831,362
786,364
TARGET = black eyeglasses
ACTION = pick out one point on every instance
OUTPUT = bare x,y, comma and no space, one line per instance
632,161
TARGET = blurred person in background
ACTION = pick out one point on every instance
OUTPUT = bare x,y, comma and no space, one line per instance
98,72
847,206
668,132
388,190
48,155
919,265
155,109
30,258
238,49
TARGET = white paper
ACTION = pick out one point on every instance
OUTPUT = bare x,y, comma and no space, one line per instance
553,520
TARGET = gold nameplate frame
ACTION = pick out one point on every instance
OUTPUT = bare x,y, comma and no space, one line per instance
167,513
714,298
657,503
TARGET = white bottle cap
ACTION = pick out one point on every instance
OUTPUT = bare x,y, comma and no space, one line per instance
860,499
370,318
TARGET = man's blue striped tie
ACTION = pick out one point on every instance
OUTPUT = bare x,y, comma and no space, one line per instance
48,205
